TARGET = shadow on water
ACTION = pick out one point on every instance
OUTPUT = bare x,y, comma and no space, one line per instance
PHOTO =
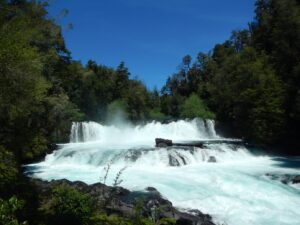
292,162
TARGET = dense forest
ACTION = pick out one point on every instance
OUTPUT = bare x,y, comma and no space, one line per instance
250,85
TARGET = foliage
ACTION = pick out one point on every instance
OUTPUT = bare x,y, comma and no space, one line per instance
8,211
251,81
194,107
32,51
8,171
156,114
118,220
69,206
167,221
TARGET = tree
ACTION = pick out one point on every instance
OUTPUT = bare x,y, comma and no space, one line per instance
121,80
194,107
8,172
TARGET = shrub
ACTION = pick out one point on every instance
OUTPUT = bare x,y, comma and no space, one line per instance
69,206
194,107
8,210
8,171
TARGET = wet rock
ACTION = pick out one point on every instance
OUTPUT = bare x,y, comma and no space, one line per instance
173,161
133,155
296,179
212,159
176,159
285,178
150,189
182,158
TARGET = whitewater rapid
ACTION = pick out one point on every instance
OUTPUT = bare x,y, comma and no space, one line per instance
235,190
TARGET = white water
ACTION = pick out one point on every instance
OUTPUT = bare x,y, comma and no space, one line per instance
235,190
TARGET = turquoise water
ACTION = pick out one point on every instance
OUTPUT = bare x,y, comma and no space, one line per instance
238,189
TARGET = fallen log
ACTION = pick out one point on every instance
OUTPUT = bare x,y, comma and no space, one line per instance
162,143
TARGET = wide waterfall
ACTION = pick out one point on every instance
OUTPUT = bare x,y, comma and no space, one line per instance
91,131
237,187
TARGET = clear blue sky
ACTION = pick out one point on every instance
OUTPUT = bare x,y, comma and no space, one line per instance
151,36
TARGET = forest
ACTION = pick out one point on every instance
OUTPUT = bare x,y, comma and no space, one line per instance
250,85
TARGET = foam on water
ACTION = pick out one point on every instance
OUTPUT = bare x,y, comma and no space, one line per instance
235,190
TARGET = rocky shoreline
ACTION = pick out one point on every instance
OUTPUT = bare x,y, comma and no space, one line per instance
123,201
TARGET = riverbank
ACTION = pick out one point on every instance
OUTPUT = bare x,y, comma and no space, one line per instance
123,202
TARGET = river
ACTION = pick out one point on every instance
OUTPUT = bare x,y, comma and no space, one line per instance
241,187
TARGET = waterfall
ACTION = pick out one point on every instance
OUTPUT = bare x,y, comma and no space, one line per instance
224,180
210,124
181,130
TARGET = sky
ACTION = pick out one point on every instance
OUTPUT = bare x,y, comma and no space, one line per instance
150,36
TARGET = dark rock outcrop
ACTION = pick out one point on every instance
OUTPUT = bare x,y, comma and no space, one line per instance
296,179
162,143
124,201
212,159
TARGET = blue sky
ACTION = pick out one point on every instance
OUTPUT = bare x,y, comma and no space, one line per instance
150,36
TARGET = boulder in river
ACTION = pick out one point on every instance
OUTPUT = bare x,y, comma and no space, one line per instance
296,179
212,159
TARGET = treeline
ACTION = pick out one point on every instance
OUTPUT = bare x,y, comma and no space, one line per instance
251,81
43,90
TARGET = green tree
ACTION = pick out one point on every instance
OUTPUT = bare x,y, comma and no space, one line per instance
194,107
8,171
121,80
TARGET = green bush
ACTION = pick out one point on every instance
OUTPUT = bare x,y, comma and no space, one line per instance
69,206
8,210
156,114
194,107
167,221
8,170
104,219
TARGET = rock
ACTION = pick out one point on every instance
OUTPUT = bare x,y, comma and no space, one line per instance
285,178
296,179
125,201
133,154
212,159
151,189
162,143
173,161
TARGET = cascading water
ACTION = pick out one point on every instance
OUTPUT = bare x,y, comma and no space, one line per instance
180,130
235,190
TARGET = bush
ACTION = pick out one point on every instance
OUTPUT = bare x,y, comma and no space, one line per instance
156,114
69,206
8,210
8,171
194,107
